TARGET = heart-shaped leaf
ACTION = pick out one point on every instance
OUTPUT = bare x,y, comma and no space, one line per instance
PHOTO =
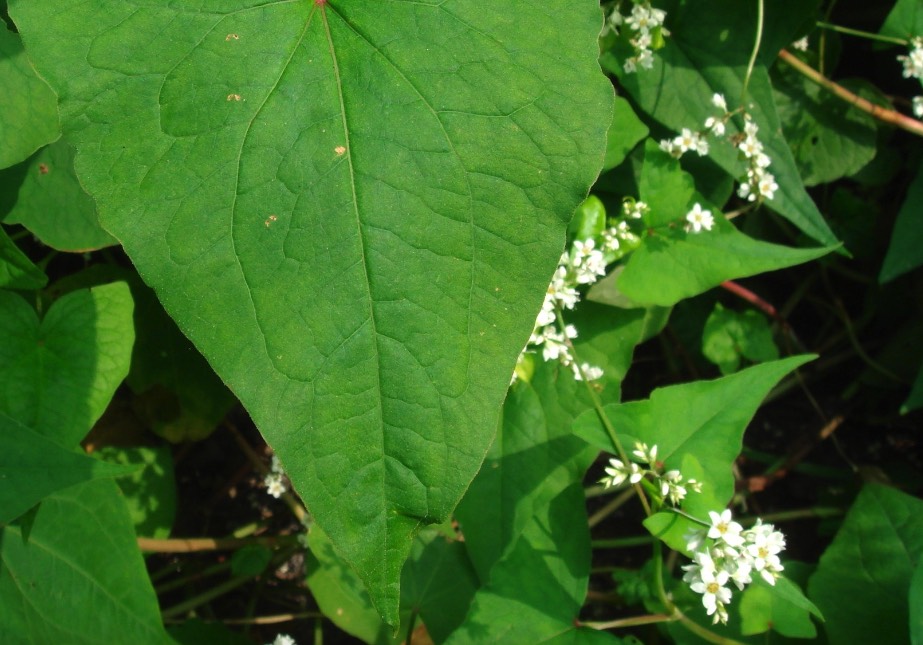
58,374
352,208
16,270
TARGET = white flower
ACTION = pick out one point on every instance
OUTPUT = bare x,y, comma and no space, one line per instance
694,539
671,486
618,472
918,107
645,454
591,372
801,44
718,101
715,126
709,581
724,528
913,62
284,639
698,219
274,484
767,186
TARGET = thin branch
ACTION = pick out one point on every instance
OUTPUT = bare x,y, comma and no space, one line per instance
885,115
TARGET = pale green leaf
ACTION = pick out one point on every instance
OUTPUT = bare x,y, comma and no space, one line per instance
150,491
78,578
54,207
905,20
781,607
624,133
28,107
351,208
730,335
863,578
33,467
58,374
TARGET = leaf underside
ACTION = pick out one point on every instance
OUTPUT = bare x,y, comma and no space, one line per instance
351,208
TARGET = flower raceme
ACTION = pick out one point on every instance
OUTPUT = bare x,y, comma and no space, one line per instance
723,552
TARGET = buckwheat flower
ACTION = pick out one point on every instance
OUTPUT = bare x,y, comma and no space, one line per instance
750,147
670,148
801,44
763,546
591,372
641,18
698,219
672,488
918,106
710,583
715,126
913,61
617,472
645,454
645,59
767,186
284,639
724,528
631,65
739,572
274,485
694,539
685,141
718,101
276,465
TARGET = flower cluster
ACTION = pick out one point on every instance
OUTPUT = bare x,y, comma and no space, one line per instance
646,30
582,265
913,68
670,484
727,553
274,481
686,140
283,639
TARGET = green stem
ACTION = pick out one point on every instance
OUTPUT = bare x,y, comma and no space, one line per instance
622,543
198,575
634,621
689,517
204,597
820,512
410,625
610,508
756,50
319,631
862,34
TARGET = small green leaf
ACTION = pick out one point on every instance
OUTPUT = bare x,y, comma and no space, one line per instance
17,270
829,138
624,133
781,607
80,578
863,578
664,187
33,467
676,265
28,107
729,336
58,374
589,220
250,560
54,207
704,419
536,591
906,249
905,20
150,491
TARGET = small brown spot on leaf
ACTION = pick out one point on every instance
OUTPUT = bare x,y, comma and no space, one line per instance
339,150
234,97
232,37
270,220
43,169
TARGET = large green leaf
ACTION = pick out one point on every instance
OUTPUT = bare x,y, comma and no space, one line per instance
698,428
28,114
16,270
78,578
535,455
863,578
905,252
52,204
352,208
33,466
707,53
58,374
905,20
536,591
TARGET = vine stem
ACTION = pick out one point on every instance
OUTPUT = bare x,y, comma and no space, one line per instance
885,115
760,15
598,406
193,545
862,34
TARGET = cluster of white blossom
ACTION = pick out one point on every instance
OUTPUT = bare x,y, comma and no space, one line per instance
913,68
725,552
646,25
671,484
581,266
722,553
283,639
759,182
274,480
801,44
